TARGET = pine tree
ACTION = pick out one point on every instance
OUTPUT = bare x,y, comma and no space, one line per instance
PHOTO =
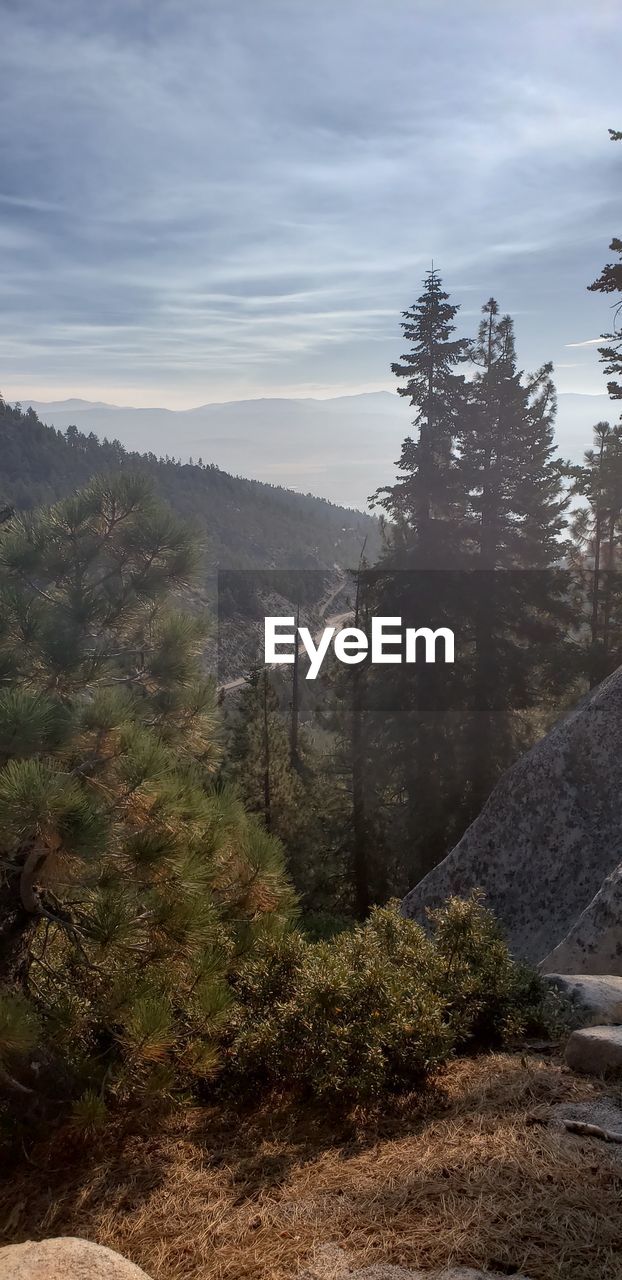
476,519
260,764
514,517
129,882
345,715
260,758
425,511
294,729
610,281
510,470
297,800
353,787
360,780
422,504
597,536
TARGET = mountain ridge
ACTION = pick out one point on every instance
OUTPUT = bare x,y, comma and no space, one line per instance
245,523
342,448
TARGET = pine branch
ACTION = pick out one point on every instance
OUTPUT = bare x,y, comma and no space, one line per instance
13,1086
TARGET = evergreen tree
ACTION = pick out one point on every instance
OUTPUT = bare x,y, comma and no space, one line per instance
514,518
128,882
476,521
260,758
597,535
359,773
349,715
610,282
293,798
425,511
422,504
510,470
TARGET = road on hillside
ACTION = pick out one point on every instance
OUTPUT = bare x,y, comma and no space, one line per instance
336,620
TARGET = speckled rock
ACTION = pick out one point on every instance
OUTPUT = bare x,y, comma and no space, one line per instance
594,944
595,1051
548,836
598,998
65,1258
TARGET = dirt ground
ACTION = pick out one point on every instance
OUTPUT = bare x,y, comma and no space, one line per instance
469,1173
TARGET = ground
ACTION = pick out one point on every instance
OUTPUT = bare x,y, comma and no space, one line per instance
469,1173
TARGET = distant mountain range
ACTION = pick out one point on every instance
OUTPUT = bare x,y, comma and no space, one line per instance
341,448
243,523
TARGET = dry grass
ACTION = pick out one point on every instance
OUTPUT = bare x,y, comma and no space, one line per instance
460,1176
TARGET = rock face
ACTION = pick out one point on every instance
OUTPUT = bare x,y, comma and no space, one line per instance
594,944
598,998
65,1258
547,838
595,1051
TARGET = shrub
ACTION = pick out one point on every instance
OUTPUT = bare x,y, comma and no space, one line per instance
351,1018
490,999
378,1008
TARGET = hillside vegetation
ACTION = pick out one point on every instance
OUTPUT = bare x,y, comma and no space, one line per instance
245,524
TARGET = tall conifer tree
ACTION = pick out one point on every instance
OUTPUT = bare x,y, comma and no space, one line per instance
425,513
514,518
610,282
597,536
423,502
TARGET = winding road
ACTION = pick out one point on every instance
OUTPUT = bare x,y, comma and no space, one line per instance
335,620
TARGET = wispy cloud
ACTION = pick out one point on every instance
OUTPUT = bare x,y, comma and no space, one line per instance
217,199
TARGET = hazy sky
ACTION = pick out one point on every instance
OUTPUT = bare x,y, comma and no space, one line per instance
217,199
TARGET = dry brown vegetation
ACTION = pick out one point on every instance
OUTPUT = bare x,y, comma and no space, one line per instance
461,1174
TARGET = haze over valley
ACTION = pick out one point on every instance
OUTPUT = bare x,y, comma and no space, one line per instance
341,448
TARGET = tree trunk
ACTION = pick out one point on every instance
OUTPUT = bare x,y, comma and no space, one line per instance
17,927
359,814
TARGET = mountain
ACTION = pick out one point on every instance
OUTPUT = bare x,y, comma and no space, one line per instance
245,524
343,447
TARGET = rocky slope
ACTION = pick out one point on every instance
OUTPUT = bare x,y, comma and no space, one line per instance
549,835
594,944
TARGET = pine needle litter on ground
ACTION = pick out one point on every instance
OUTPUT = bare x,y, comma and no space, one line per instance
468,1173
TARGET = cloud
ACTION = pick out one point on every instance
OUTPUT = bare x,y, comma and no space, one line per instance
221,198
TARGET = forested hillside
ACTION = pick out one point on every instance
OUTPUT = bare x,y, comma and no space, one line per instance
246,524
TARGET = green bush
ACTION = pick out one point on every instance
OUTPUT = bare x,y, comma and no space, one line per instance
342,1018
378,1008
490,998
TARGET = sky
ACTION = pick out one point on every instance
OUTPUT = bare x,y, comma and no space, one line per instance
212,200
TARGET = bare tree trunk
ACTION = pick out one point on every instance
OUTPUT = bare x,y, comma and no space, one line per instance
359,813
